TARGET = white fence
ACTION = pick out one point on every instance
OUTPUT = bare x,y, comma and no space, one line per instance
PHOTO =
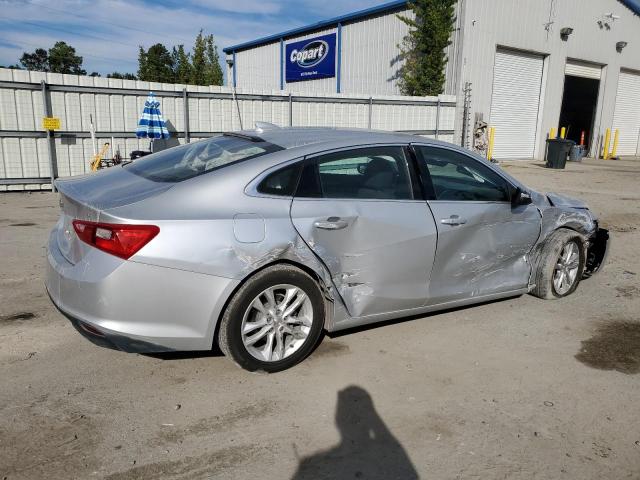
30,157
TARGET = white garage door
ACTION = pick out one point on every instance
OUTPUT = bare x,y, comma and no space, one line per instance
517,79
627,113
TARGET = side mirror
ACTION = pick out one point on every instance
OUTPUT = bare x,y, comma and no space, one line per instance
520,197
362,168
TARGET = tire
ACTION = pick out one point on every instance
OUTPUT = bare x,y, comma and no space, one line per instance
548,267
272,321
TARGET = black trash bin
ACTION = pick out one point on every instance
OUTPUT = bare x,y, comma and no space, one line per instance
558,151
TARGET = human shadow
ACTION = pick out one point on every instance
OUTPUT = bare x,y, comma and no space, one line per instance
367,448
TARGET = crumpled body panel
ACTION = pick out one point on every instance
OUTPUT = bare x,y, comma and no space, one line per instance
381,257
486,254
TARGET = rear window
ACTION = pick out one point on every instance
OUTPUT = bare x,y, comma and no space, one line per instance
282,182
187,161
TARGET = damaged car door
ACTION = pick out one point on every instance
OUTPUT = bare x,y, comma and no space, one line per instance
485,228
357,210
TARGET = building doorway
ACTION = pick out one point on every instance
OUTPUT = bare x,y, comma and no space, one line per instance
578,111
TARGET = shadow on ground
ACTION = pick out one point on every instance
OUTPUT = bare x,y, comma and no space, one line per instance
367,448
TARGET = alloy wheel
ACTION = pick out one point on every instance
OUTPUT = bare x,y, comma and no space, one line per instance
277,322
565,273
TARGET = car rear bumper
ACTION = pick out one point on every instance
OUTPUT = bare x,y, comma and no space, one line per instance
133,306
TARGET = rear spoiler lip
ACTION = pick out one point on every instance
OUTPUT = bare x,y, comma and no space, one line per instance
251,138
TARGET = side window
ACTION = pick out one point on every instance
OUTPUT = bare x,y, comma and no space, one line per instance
367,173
281,182
457,177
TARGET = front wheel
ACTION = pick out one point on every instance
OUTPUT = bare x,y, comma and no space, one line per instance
561,264
273,321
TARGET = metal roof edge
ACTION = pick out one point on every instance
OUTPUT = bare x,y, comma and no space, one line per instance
385,7
633,5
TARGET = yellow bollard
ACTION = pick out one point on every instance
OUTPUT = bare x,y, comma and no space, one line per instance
605,147
563,132
552,133
615,143
492,133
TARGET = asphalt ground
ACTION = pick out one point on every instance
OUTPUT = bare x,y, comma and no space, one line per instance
519,389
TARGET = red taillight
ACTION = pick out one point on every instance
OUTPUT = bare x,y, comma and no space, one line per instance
121,240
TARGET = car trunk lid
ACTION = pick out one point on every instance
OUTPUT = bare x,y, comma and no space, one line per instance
86,197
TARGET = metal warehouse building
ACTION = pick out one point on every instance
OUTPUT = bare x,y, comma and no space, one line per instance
523,66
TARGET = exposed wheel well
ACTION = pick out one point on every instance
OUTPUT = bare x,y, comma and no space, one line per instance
304,268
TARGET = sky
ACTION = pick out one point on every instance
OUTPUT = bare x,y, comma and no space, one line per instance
107,33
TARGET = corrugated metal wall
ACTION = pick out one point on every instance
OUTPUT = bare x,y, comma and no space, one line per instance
369,63
115,111
257,68
534,26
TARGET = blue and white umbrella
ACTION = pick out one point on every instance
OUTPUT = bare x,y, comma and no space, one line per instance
151,124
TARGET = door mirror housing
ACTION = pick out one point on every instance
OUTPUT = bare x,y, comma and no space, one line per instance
520,197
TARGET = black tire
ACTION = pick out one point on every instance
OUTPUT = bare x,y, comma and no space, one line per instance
230,335
543,277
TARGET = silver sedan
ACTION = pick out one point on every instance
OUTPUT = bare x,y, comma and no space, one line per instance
258,241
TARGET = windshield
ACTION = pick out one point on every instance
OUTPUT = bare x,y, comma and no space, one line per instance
187,161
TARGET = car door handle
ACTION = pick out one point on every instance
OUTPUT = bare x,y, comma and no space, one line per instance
331,223
454,220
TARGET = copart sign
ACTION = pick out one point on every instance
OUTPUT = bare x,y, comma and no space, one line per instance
310,59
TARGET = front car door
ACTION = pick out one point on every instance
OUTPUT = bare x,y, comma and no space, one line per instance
483,240
357,210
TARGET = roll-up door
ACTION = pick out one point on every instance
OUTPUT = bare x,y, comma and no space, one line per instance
626,117
517,80
577,68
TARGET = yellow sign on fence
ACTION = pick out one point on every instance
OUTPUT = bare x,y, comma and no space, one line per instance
51,123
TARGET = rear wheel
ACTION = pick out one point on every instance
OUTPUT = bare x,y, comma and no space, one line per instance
561,265
274,320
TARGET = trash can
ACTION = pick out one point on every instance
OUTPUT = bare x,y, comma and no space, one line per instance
576,153
557,152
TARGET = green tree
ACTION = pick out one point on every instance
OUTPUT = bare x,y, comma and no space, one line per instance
63,59
155,64
199,60
213,70
183,69
423,48
122,76
95,74
37,61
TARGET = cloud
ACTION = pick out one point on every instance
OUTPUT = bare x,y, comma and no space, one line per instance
107,33
241,6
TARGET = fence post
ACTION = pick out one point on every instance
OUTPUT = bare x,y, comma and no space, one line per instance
370,111
51,142
466,115
290,110
185,101
438,118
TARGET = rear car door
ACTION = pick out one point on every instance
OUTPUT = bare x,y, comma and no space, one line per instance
357,210
483,240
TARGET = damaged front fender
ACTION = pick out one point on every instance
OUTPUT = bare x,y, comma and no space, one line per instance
561,211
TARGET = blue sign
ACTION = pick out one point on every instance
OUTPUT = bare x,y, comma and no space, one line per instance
312,58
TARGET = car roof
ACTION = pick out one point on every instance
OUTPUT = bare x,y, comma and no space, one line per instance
292,137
